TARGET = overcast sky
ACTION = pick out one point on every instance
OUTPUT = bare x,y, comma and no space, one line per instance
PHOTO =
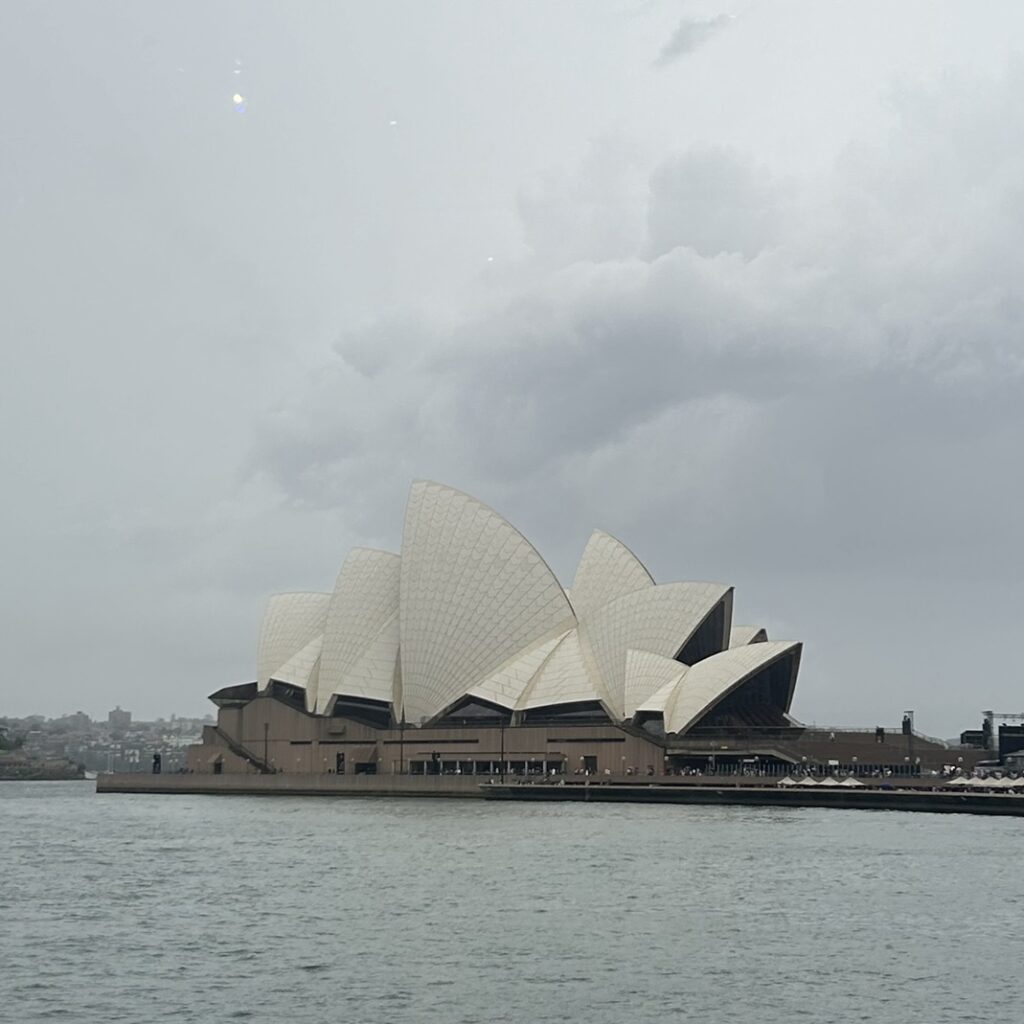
739,284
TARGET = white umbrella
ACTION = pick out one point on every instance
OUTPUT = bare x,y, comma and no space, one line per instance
960,780
976,783
851,782
807,781
787,781
829,781
1003,783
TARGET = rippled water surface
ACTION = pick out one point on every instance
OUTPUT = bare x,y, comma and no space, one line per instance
157,908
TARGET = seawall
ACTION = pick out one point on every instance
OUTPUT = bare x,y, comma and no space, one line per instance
293,784
917,799
469,787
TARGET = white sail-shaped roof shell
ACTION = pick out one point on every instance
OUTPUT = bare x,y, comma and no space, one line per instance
658,619
290,622
303,670
646,675
563,678
471,610
657,701
740,636
714,678
361,632
372,677
507,685
607,570
474,594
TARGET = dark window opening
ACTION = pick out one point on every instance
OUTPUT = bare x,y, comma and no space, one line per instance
1011,739
583,711
294,696
652,722
709,638
535,766
474,711
374,713
759,703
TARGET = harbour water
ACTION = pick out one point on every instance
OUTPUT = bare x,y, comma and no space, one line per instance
269,909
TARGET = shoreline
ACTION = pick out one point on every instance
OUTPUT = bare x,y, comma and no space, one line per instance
919,798
292,784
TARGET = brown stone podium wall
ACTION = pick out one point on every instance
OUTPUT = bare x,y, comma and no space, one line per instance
291,741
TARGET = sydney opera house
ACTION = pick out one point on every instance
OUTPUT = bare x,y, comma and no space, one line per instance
464,654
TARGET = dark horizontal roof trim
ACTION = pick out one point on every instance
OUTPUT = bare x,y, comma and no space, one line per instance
419,741
349,743
239,691
587,739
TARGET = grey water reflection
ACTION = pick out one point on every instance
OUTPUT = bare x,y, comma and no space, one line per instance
129,908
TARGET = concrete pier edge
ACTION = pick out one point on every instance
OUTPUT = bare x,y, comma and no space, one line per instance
663,792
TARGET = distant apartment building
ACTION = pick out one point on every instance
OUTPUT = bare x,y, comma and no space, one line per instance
118,719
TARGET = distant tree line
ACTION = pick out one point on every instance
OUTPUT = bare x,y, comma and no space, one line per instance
9,740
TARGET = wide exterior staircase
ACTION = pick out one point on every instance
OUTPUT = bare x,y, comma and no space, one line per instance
219,736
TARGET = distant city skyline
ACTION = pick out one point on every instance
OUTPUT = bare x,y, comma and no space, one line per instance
101,717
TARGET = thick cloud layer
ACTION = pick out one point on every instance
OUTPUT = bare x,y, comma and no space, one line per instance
756,311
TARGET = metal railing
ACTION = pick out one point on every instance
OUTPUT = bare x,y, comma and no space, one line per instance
779,770
890,731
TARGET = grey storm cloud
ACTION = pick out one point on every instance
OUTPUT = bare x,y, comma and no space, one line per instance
691,34
793,294
715,200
